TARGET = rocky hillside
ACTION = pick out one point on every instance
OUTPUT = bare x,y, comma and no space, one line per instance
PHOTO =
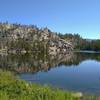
29,38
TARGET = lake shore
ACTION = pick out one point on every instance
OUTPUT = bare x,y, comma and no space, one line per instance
13,88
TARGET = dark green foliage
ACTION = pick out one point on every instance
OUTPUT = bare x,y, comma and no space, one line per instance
80,43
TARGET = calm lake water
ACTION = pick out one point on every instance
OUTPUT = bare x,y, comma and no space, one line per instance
71,71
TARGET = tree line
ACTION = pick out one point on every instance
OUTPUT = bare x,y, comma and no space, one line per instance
81,43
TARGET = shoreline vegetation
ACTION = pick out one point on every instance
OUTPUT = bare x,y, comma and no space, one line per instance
12,88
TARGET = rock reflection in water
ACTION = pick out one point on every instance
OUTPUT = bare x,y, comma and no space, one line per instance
42,62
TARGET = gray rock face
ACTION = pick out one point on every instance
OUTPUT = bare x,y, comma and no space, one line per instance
25,37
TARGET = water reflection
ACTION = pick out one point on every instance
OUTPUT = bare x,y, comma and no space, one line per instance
72,71
41,62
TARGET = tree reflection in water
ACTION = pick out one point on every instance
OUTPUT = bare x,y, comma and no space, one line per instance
42,62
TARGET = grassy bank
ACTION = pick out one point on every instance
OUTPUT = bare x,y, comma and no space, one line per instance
12,88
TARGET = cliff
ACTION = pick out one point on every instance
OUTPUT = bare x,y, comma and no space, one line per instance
29,38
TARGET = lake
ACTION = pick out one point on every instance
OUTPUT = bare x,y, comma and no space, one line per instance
73,71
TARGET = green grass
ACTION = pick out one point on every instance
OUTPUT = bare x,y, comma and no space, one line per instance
12,88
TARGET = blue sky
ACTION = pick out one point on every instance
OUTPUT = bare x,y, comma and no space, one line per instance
65,16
